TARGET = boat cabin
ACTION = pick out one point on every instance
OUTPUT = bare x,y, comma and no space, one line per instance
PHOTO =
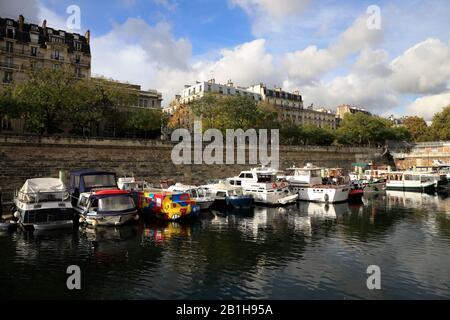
89,180
106,201
308,175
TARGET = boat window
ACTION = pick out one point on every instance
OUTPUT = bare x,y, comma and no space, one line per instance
315,173
412,177
238,182
242,175
194,193
115,204
95,181
302,173
232,182
221,194
249,175
83,202
265,178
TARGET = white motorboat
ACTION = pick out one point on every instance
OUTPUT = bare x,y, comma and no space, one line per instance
263,185
131,184
410,181
227,195
307,182
197,194
44,204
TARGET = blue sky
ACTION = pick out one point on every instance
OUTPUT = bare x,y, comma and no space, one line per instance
322,48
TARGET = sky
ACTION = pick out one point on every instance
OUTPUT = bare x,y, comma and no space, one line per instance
390,57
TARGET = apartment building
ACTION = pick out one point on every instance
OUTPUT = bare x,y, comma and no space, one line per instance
27,46
345,108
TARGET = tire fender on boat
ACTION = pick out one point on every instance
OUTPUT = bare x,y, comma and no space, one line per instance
17,214
326,197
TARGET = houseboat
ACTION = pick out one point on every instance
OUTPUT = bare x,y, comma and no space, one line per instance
43,204
196,194
166,205
263,185
410,181
226,195
307,182
98,200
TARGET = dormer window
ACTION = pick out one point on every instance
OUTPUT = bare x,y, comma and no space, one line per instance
34,37
75,36
10,33
62,33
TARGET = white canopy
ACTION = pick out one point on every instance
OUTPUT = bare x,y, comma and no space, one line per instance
43,185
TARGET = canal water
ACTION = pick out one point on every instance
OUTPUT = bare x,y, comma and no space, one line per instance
304,251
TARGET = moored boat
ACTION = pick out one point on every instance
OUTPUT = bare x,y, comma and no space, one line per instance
166,205
410,181
98,200
263,185
307,182
226,195
107,208
196,194
43,204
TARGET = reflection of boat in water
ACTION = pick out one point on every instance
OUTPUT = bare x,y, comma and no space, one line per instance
160,232
324,210
413,199
110,242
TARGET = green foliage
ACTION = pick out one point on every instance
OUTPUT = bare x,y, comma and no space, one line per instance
44,98
417,127
233,112
363,129
144,123
440,128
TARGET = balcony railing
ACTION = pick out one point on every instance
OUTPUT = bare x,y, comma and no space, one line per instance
9,65
22,51
81,62
57,57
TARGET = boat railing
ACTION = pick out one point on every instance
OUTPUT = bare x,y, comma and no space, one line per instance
36,197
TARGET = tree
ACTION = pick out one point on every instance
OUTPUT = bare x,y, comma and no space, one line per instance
45,97
145,123
440,128
417,127
9,108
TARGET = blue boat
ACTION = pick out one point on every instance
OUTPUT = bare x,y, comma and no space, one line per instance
227,196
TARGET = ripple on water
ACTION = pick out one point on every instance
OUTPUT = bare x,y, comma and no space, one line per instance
286,253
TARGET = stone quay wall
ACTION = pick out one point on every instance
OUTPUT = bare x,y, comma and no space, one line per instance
24,157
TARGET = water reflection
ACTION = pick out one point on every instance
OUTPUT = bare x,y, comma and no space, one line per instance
305,250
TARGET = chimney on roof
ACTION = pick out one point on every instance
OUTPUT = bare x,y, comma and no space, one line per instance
88,36
21,22
44,27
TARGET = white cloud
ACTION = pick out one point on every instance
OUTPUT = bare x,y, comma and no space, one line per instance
423,69
270,15
311,63
150,56
12,9
427,106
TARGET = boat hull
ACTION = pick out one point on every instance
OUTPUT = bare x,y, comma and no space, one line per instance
322,194
45,218
426,188
355,195
65,224
109,219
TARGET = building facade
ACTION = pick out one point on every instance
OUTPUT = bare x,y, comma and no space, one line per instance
278,97
27,46
198,90
289,105
345,108
146,99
